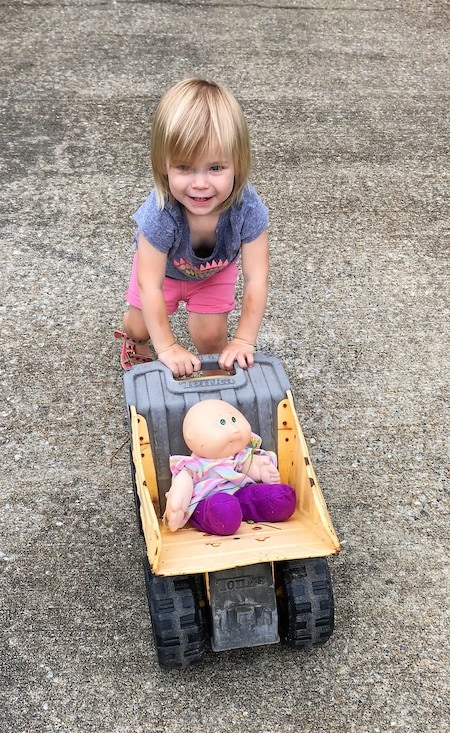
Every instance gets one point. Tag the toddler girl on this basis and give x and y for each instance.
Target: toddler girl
(201, 216)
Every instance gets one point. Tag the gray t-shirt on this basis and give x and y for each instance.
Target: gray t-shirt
(168, 231)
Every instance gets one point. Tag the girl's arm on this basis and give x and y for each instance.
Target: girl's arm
(151, 270)
(255, 269)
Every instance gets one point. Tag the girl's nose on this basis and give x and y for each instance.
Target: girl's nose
(200, 180)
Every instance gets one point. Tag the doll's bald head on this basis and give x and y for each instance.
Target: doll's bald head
(215, 429)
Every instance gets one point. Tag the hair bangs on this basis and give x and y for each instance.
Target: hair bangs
(199, 135)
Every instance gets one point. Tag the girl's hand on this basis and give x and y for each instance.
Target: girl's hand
(237, 350)
(180, 361)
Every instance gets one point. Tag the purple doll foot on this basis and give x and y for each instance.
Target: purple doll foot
(266, 502)
(218, 514)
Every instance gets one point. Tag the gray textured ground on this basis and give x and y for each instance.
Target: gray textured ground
(348, 107)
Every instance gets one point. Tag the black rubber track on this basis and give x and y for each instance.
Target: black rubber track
(178, 613)
(305, 601)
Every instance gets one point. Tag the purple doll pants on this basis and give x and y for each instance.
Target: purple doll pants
(222, 513)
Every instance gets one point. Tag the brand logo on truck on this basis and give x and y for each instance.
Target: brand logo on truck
(225, 585)
(196, 384)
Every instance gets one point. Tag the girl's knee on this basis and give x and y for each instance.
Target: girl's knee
(134, 325)
(208, 332)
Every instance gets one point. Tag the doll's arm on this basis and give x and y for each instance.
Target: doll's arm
(261, 468)
(177, 499)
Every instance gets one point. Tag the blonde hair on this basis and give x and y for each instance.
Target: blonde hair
(192, 119)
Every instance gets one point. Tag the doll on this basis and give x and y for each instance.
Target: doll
(227, 478)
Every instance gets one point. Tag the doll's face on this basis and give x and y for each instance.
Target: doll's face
(215, 429)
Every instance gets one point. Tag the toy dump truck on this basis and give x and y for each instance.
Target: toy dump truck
(267, 583)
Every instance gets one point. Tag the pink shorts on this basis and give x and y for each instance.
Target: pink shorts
(215, 294)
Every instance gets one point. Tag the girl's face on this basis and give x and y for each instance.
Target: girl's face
(203, 186)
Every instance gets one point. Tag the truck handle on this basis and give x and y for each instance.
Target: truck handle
(205, 384)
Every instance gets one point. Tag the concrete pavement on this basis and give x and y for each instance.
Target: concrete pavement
(348, 109)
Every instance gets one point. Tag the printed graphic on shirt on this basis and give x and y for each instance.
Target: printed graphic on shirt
(200, 273)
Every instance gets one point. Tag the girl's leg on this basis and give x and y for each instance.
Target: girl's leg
(135, 329)
(208, 304)
(133, 321)
(133, 324)
(208, 331)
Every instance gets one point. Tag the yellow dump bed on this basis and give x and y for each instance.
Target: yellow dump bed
(308, 533)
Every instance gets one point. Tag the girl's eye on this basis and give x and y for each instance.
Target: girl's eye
(183, 167)
(216, 168)
(223, 421)
(233, 419)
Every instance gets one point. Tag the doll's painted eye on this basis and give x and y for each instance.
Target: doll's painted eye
(223, 421)
(233, 419)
